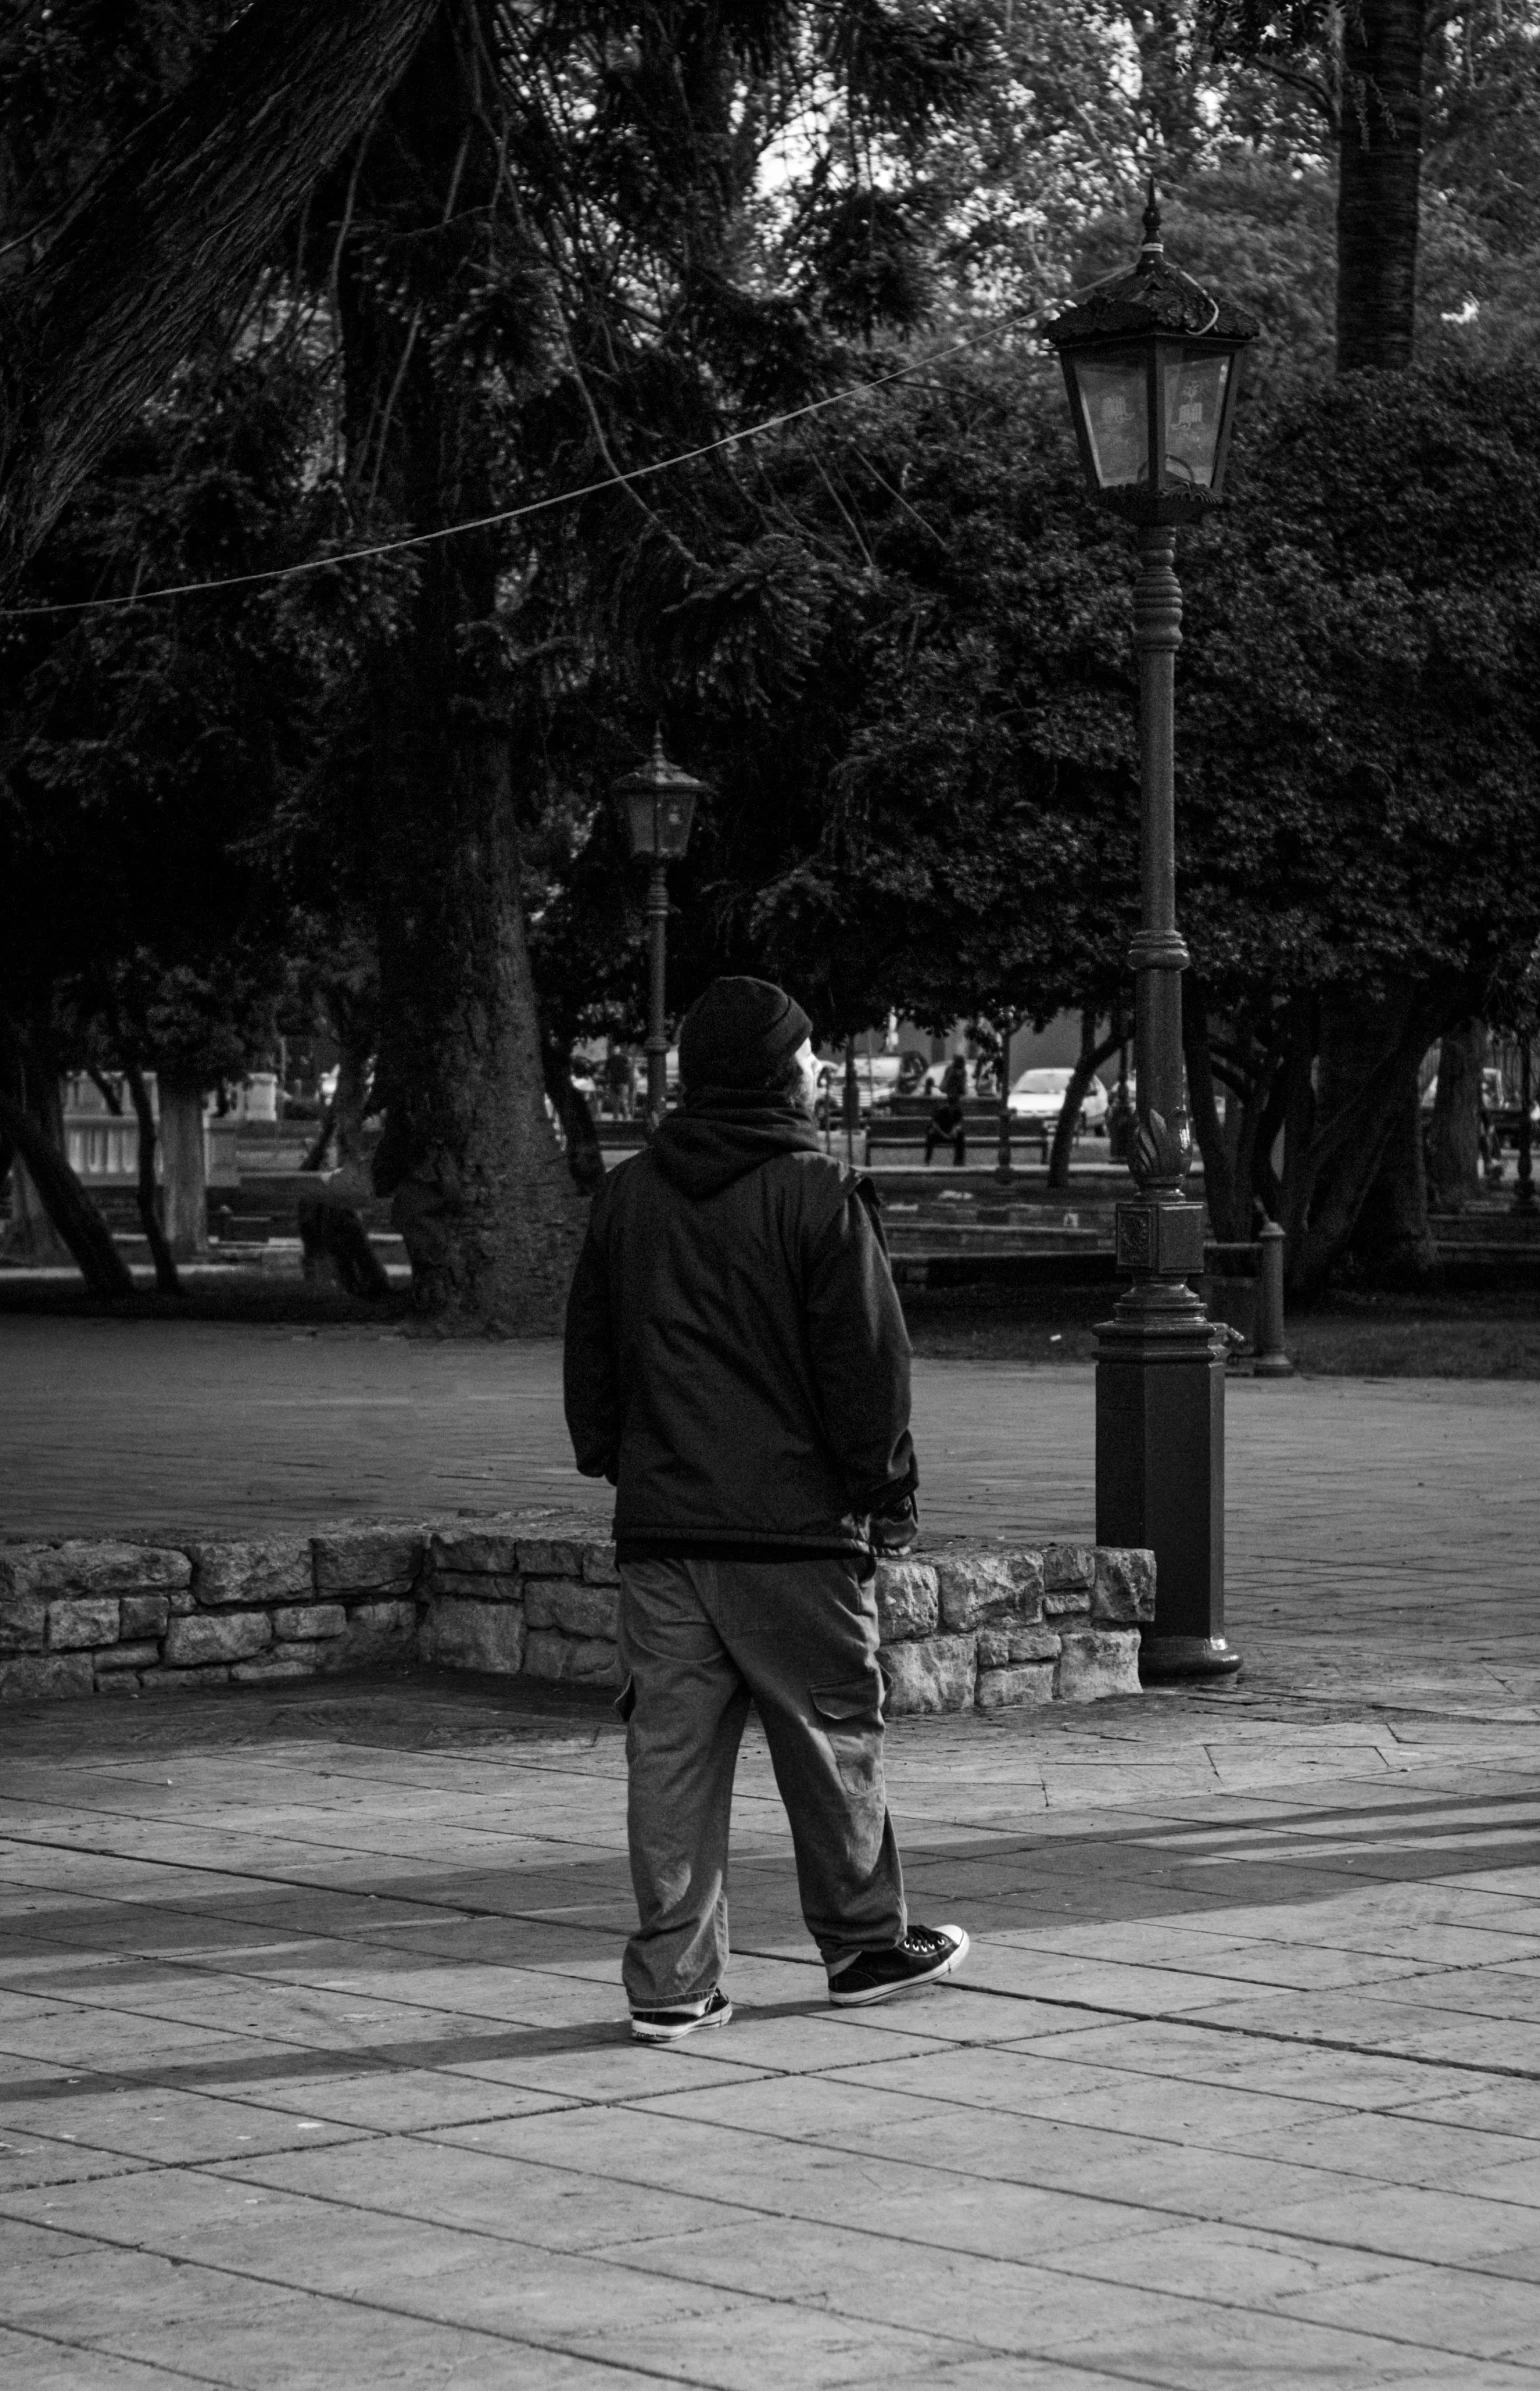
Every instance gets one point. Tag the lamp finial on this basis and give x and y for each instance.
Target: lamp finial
(1153, 245)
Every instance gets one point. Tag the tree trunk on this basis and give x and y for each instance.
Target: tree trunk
(1379, 172)
(1454, 1134)
(482, 1193)
(1093, 1053)
(175, 232)
(33, 1237)
(1229, 1203)
(585, 1156)
(184, 1170)
(483, 1196)
(147, 1192)
(1337, 1137)
(1391, 1236)
(341, 1130)
(70, 1209)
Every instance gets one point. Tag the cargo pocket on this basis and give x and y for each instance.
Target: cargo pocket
(851, 1718)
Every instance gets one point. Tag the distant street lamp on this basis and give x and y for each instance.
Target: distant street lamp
(657, 801)
(1152, 366)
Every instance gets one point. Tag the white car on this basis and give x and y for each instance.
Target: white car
(876, 1084)
(1039, 1096)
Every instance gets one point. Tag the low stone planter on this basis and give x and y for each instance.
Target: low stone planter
(529, 1594)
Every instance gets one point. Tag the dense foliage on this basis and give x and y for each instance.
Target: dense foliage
(584, 239)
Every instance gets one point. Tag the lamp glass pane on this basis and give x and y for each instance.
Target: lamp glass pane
(640, 813)
(674, 815)
(1112, 404)
(1194, 410)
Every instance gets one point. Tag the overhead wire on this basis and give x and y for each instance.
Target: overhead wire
(619, 479)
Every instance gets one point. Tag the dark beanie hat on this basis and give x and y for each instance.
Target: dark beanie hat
(737, 1034)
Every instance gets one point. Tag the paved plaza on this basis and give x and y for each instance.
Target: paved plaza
(313, 2067)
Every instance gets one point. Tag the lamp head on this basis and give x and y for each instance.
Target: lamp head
(657, 801)
(1152, 366)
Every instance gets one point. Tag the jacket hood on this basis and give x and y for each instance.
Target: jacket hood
(723, 1133)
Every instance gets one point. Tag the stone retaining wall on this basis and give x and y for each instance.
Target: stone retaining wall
(529, 1594)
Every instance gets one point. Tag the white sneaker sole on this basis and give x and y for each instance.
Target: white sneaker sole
(886, 1992)
(641, 2032)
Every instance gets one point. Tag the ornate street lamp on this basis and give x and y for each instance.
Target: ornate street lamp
(1152, 365)
(657, 801)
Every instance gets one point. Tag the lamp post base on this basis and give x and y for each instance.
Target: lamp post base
(1160, 1394)
(1169, 1660)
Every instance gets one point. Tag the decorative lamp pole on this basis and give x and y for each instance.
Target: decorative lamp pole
(1152, 366)
(658, 803)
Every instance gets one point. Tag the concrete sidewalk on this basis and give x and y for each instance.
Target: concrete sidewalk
(313, 2070)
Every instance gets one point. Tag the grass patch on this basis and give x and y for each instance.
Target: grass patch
(256, 1297)
(1486, 1333)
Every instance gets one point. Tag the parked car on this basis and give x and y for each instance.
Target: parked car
(1039, 1096)
(877, 1078)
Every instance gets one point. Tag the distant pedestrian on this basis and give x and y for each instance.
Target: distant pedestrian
(619, 1083)
(947, 1121)
(954, 1080)
(737, 1366)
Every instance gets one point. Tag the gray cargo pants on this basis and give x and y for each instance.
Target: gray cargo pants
(699, 1641)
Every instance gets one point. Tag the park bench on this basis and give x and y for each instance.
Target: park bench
(907, 1121)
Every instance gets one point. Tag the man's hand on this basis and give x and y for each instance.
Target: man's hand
(895, 1531)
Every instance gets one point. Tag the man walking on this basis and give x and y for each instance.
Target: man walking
(737, 1366)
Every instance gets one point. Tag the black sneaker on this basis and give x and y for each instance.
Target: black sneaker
(926, 1954)
(672, 2025)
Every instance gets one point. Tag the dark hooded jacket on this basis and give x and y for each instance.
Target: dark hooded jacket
(736, 1359)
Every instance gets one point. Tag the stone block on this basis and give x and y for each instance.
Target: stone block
(978, 1589)
(376, 1631)
(118, 1681)
(182, 1681)
(473, 1635)
(199, 1642)
(1069, 1572)
(126, 1656)
(908, 1600)
(474, 1552)
(936, 1674)
(547, 1556)
(74, 1624)
(573, 1660)
(1068, 1568)
(1095, 1662)
(145, 1614)
(1016, 1689)
(567, 1603)
(600, 1566)
(1010, 1646)
(23, 1623)
(311, 1655)
(40, 1678)
(474, 1585)
(90, 1566)
(367, 1561)
(1124, 1591)
(302, 1621)
(265, 1569)
(271, 1672)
